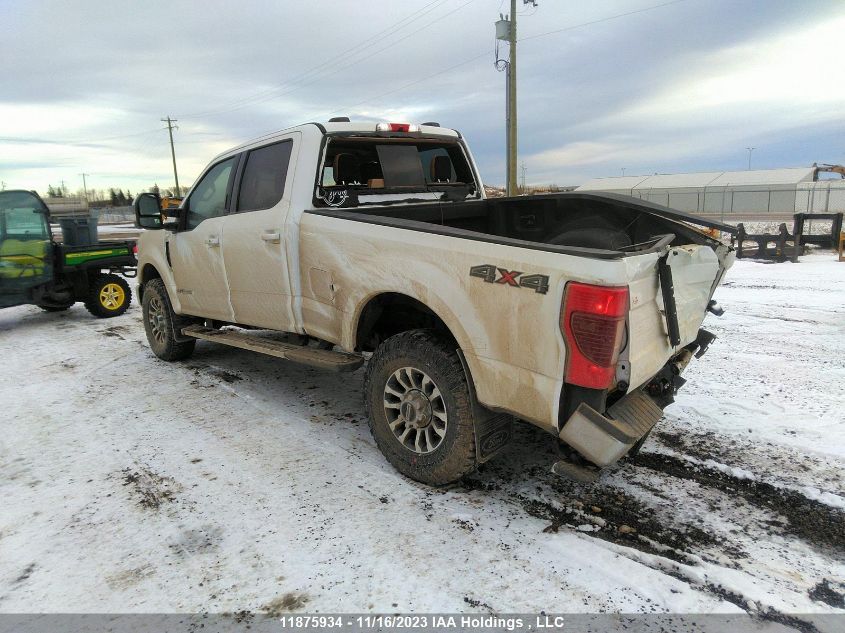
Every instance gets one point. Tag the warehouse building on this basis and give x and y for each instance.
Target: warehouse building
(742, 196)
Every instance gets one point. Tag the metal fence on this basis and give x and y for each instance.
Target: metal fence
(116, 215)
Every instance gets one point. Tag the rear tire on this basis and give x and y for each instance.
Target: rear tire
(418, 402)
(161, 323)
(108, 296)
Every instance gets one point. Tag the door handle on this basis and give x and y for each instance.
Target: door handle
(274, 238)
(212, 241)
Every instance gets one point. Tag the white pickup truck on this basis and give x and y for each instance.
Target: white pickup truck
(324, 243)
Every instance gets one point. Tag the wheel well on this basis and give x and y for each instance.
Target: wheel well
(149, 272)
(391, 313)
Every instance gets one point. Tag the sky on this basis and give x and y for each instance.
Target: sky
(605, 87)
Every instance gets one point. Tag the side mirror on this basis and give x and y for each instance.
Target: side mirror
(147, 211)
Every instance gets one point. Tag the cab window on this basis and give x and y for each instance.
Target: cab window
(367, 165)
(209, 197)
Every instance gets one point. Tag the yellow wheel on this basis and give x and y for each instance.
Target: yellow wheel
(112, 296)
(108, 296)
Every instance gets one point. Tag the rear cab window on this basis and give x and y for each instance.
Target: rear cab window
(262, 184)
(361, 170)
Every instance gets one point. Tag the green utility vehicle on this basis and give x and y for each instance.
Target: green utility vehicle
(34, 269)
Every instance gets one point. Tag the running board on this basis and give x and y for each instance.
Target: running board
(319, 358)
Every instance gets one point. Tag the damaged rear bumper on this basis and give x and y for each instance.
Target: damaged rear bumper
(604, 438)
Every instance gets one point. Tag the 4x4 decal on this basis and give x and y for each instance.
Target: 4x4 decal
(489, 272)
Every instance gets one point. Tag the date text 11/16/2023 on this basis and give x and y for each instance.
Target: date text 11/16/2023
(444, 621)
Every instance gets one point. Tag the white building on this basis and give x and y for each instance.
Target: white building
(764, 194)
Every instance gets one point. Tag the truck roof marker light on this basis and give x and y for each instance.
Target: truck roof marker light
(397, 127)
(592, 321)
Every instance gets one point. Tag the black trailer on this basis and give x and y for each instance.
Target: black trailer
(34, 269)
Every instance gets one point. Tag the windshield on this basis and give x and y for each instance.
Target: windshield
(371, 170)
(22, 216)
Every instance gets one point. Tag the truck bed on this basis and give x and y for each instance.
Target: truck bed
(602, 226)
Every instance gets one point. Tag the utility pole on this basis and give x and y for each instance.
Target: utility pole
(750, 149)
(506, 30)
(170, 127)
(84, 185)
(512, 116)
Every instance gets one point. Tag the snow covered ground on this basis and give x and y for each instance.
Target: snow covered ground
(235, 482)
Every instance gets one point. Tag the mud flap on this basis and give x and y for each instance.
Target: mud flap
(492, 433)
(604, 440)
(492, 430)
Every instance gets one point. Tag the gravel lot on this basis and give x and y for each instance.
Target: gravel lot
(237, 482)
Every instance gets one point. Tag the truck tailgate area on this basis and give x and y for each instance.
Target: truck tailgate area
(695, 270)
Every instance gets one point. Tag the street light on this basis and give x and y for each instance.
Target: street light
(750, 149)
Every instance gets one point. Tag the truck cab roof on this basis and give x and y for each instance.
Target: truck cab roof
(344, 128)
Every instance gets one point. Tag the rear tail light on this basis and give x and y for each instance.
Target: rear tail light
(135, 248)
(592, 321)
(397, 127)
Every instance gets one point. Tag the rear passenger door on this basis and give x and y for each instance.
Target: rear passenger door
(255, 243)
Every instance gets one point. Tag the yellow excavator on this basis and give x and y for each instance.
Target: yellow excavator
(834, 169)
(170, 202)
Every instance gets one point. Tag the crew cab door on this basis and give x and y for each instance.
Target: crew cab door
(255, 244)
(196, 248)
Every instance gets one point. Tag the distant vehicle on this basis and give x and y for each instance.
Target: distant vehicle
(36, 270)
(576, 311)
(168, 203)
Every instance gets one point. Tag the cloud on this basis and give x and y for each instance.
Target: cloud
(784, 72)
(775, 88)
(685, 86)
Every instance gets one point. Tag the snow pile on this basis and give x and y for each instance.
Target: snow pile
(234, 481)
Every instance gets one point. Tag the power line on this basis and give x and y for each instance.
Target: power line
(346, 108)
(408, 85)
(321, 76)
(76, 142)
(600, 20)
(373, 98)
(357, 48)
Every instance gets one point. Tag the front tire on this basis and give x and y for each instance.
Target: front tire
(108, 296)
(419, 408)
(160, 323)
